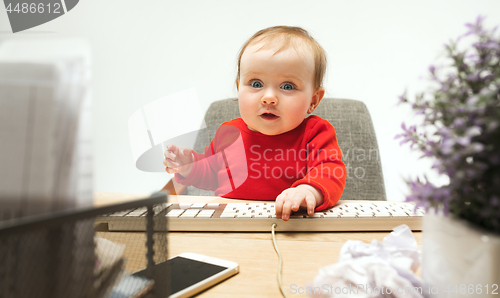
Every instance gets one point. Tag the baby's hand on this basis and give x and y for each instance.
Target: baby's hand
(291, 199)
(178, 160)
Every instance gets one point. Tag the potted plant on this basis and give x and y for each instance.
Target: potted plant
(460, 132)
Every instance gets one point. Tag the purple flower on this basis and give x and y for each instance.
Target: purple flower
(473, 131)
(462, 108)
(459, 122)
(477, 147)
(474, 77)
(447, 146)
(432, 69)
(463, 141)
(472, 101)
(489, 45)
(492, 126)
(402, 98)
(437, 164)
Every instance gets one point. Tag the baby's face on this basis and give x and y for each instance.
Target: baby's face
(276, 91)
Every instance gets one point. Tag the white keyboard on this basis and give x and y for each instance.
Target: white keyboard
(257, 217)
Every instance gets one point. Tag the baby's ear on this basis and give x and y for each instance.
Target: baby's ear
(316, 99)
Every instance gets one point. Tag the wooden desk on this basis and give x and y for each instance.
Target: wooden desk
(303, 253)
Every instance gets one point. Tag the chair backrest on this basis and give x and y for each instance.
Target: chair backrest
(355, 135)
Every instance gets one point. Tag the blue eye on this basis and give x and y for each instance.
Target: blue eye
(256, 84)
(287, 87)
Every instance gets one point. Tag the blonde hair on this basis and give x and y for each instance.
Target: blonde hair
(284, 37)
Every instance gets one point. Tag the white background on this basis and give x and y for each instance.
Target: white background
(144, 50)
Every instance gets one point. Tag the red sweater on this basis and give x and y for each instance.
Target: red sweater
(245, 164)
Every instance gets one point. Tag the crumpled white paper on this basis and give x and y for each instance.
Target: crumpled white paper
(378, 269)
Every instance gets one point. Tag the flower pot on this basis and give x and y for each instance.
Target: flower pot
(459, 259)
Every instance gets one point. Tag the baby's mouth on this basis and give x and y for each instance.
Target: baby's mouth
(269, 116)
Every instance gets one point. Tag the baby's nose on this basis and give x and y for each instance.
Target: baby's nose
(269, 99)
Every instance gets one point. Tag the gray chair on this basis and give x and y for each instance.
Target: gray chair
(355, 135)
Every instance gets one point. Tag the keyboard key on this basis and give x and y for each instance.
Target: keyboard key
(263, 215)
(399, 214)
(383, 215)
(159, 208)
(175, 213)
(330, 215)
(198, 205)
(348, 215)
(317, 215)
(190, 213)
(244, 215)
(212, 205)
(365, 215)
(120, 213)
(205, 214)
(138, 211)
(185, 205)
(364, 211)
(227, 215)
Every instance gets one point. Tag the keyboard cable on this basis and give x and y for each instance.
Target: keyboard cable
(280, 261)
